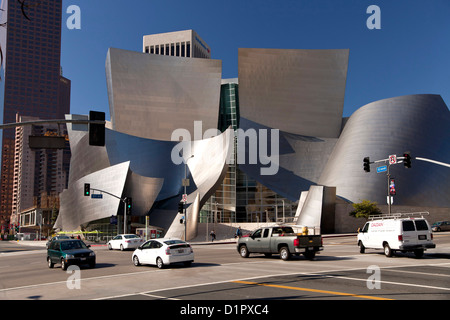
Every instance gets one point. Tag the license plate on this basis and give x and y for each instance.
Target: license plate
(422, 237)
(82, 259)
(310, 248)
(180, 251)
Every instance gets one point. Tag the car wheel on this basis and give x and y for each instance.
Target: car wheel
(50, 263)
(284, 253)
(63, 264)
(362, 249)
(244, 251)
(387, 250)
(159, 263)
(121, 247)
(136, 261)
(109, 246)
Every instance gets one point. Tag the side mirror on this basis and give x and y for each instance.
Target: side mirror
(88, 246)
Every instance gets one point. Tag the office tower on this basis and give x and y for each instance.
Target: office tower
(185, 43)
(39, 175)
(34, 85)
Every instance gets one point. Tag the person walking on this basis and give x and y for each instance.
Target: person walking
(213, 235)
(238, 233)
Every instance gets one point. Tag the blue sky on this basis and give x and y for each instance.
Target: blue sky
(410, 54)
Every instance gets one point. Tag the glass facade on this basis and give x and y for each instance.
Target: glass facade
(241, 198)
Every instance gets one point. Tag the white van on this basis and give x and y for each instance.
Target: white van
(397, 232)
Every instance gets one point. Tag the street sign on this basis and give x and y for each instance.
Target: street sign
(393, 159)
(96, 196)
(381, 169)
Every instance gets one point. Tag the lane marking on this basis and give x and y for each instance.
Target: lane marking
(312, 290)
(155, 296)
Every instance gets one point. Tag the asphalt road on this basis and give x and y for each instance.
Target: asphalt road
(340, 272)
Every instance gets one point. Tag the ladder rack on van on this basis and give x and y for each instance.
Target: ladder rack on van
(399, 215)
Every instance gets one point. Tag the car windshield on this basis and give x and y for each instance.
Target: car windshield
(131, 236)
(71, 245)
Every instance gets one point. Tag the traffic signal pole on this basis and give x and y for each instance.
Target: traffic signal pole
(126, 203)
(392, 159)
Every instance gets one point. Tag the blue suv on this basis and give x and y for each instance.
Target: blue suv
(70, 252)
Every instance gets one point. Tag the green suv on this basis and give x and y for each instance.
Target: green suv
(69, 252)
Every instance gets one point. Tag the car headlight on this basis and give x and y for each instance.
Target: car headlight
(92, 254)
(69, 256)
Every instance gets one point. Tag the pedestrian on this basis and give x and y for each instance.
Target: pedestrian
(238, 233)
(213, 235)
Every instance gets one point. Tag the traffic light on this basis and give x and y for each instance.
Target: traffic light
(96, 131)
(87, 189)
(128, 205)
(407, 160)
(180, 207)
(366, 164)
(17, 229)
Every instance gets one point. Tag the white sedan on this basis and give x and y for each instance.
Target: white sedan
(163, 252)
(125, 241)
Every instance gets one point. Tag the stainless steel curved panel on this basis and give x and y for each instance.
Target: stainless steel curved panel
(296, 91)
(416, 123)
(152, 95)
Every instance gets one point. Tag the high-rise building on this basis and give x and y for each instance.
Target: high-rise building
(34, 85)
(39, 174)
(186, 43)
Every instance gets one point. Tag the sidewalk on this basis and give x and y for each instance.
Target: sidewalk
(195, 241)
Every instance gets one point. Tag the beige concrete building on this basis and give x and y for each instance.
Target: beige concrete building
(186, 43)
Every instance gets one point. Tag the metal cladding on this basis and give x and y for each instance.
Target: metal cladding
(151, 95)
(300, 93)
(77, 209)
(143, 169)
(416, 123)
(296, 91)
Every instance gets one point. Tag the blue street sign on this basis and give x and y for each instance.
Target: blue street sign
(96, 196)
(381, 169)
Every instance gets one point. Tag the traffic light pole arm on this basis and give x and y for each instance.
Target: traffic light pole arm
(434, 161)
(38, 122)
(112, 195)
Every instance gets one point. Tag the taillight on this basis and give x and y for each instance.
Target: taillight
(168, 251)
(400, 238)
(432, 236)
(296, 242)
(192, 251)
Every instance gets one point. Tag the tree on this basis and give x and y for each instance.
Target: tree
(364, 209)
